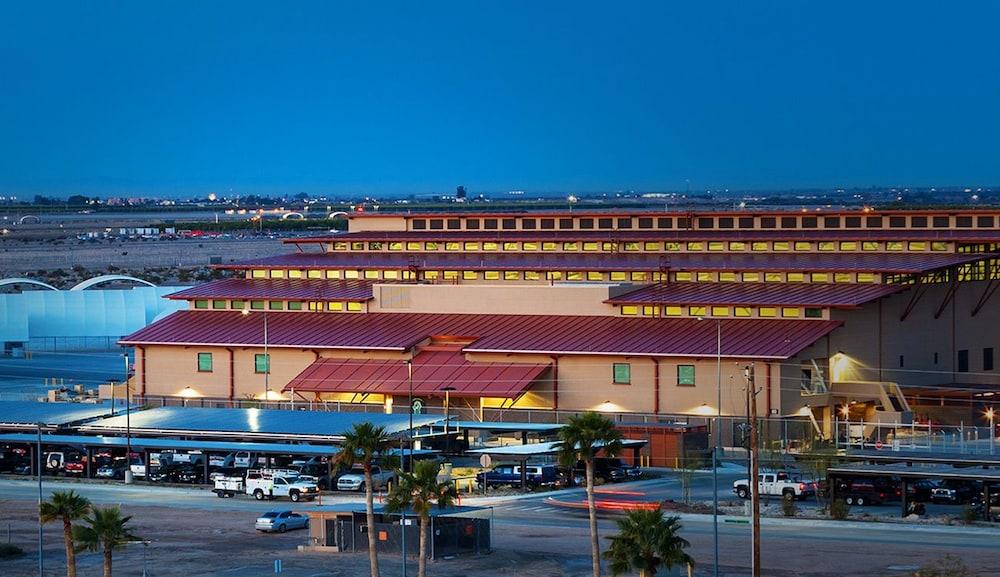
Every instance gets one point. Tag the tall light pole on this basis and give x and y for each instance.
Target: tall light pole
(41, 467)
(717, 445)
(409, 464)
(447, 416)
(128, 425)
(267, 358)
(990, 415)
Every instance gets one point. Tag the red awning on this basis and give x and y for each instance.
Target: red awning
(432, 372)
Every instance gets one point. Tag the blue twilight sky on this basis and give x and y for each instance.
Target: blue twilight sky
(414, 97)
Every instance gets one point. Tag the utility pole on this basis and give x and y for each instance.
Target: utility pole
(748, 372)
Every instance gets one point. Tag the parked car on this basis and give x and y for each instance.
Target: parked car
(779, 484)
(863, 491)
(354, 480)
(281, 521)
(113, 470)
(176, 474)
(606, 470)
(920, 490)
(954, 491)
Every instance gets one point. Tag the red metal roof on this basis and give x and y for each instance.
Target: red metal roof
(683, 235)
(816, 262)
(757, 294)
(637, 211)
(432, 370)
(548, 334)
(292, 289)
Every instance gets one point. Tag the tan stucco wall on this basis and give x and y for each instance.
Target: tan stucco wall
(362, 223)
(493, 298)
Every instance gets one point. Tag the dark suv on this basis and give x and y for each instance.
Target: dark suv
(606, 470)
(508, 474)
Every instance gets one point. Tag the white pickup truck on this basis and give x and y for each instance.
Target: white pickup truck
(780, 484)
(354, 480)
(263, 484)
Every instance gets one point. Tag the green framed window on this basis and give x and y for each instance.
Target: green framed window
(257, 305)
(218, 304)
(685, 375)
(294, 305)
(201, 304)
(621, 373)
(813, 313)
(275, 305)
(237, 304)
(262, 363)
(204, 362)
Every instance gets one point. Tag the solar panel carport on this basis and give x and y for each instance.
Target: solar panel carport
(524, 452)
(26, 415)
(252, 424)
(907, 473)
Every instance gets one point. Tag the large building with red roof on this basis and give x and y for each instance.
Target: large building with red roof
(838, 312)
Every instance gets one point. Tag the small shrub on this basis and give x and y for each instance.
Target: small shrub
(839, 509)
(9, 551)
(968, 515)
(789, 508)
(947, 566)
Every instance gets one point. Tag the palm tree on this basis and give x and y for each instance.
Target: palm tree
(580, 439)
(421, 490)
(362, 444)
(646, 541)
(106, 531)
(67, 506)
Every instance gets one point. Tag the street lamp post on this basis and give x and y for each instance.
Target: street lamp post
(128, 426)
(989, 415)
(41, 467)
(447, 416)
(717, 445)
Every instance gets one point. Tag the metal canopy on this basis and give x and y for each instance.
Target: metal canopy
(923, 457)
(507, 427)
(918, 471)
(27, 414)
(253, 423)
(538, 449)
(175, 444)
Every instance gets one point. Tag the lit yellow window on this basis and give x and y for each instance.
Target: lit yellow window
(649, 245)
(869, 245)
(277, 273)
(340, 246)
(412, 245)
(430, 246)
(431, 274)
(917, 245)
(574, 275)
(351, 274)
(609, 246)
(491, 246)
(371, 274)
(335, 306)
(697, 311)
(259, 274)
(532, 275)
(450, 275)
(333, 274)
(549, 246)
(696, 246)
(672, 311)
(767, 312)
(758, 246)
(294, 274)
(630, 246)
(313, 273)
(848, 245)
(751, 277)
(727, 277)
(737, 245)
(802, 245)
(571, 246)
(639, 276)
(374, 246)
(827, 246)
(843, 277)
(820, 277)
(720, 311)
(630, 310)
(894, 246)
(471, 246)
(390, 274)
(866, 277)
(511, 275)
(939, 246)
(660, 277)
(510, 247)
(315, 306)
(672, 246)
(529, 246)
(781, 245)
(354, 306)
(796, 277)
(491, 275)
(741, 311)
(595, 276)
(683, 277)
(774, 277)
(470, 275)
(453, 246)
(650, 311)
(408, 275)
(591, 246)
(619, 276)
(716, 246)
(357, 246)
(554, 275)
(704, 277)
(790, 312)
(395, 246)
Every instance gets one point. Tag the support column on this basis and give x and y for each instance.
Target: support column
(524, 474)
(986, 501)
(90, 459)
(524, 437)
(905, 485)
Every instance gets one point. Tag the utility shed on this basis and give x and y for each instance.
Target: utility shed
(453, 531)
(670, 444)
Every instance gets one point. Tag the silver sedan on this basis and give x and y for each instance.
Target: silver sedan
(281, 521)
